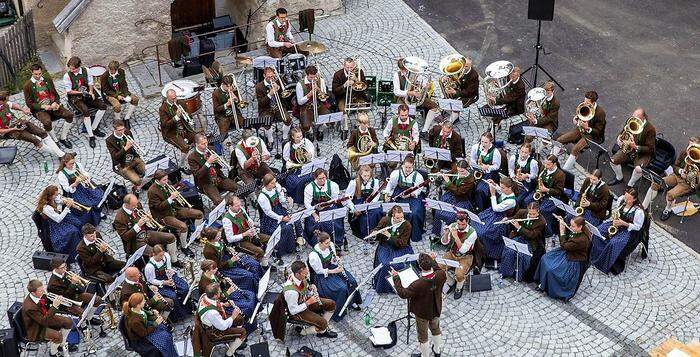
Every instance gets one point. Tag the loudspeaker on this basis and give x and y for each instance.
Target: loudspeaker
(42, 260)
(540, 10)
(8, 345)
(13, 310)
(480, 282)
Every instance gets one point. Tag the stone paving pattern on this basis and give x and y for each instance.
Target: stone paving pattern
(623, 315)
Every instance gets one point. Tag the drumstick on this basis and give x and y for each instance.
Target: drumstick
(177, 86)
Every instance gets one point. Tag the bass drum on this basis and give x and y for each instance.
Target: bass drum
(189, 92)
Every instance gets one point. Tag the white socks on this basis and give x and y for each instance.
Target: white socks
(233, 346)
(424, 349)
(50, 146)
(285, 131)
(52, 135)
(183, 239)
(429, 118)
(437, 343)
(327, 315)
(65, 129)
(650, 196)
(570, 162)
(636, 175)
(129, 112)
(618, 171)
(269, 133)
(98, 118)
(88, 126)
(309, 331)
(460, 285)
(172, 250)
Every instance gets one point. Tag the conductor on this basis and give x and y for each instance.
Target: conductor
(425, 302)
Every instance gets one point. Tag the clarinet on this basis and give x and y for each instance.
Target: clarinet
(335, 259)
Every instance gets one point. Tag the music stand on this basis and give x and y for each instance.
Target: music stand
(312, 166)
(217, 212)
(539, 134)
(365, 207)
(87, 333)
(197, 232)
(362, 283)
(386, 207)
(600, 149)
(489, 112)
(538, 47)
(372, 159)
(274, 239)
(437, 154)
(330, 118)
(450, 105)
(134, 257)
(108, 190)
(563, 206)
(332, 215)
(518, 248)
(409, 275)
(397, 155)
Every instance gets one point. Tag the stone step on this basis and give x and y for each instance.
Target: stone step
(145, 72)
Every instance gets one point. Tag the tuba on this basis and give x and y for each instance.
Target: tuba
(633, 126)
(497, 80)
(535, 100)
(452, 67)
(416, 66)
(692, 171)
(584, 111)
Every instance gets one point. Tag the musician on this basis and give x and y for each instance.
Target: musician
(135, 229)
(233, 266)
(43, 100)
(362, 141)
(318, 191)
(164, 205)
(407, 92)
(342, 85)
(159, 272)
(528, 227)
(12, 128)
(503, 205)
(146, 329)
(513, 96)
(252, 156)
(305, 96)
(116, 90)
(224, 102)
(444, 137)
(425, 302)
(300, 300)
(679, 182)
(403, 179)
(550, 183)
(330, 276)
(64, 225)
(232, 295)
(267, 104)
(70, 286)
(239, 230)
(134, 284)
(466, 88)
(394, 241)
(609, 254)
(97, 260)
(270, 200)
(41, 321)
(365, 188)
(213, 324)
(589, 127)
(464, 247)
(297, 152)
(206, 170)
(125, 158)
(561, 270)
(638, 151)
(401, 129)
(523, 167)
(79, 87)
(75, 183)
(550, 110)
(278, 35)
(484, 157)
(597, 195)
(174, 126)
(459, 191)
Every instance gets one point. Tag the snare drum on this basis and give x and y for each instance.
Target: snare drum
(259, 64)
(186, 91)
(96, 72)
(295, 62)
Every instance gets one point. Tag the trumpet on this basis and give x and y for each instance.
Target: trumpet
(77, 279)
(219, 160)
(134, 145)
(179, 198)
(65, 301)
(84, 178)
(100, 241)
(74, 204)
(614, 215)
(150, 222)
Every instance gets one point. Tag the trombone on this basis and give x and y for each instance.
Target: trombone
(179, 198)
(135, 145)
(150, 222)
(65, 301)
(75, 277)
(100, 241)
(186, 118)
(219, 160)
(286, 93)
(74, 204)
(317, 94)
(84, 178)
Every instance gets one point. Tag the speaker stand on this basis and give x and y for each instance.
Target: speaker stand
(535, 67)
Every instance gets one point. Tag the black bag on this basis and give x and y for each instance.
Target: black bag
(515, 134)
(115, 199)
(306, 352)
(338, 173)
(8, 344)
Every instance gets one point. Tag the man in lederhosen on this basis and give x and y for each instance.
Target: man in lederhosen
(45, 103)
(81, 93)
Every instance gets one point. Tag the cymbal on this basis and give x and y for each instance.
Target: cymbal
(244, 60)
(312, 47)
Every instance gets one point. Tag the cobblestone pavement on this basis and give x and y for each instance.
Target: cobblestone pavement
(623, 315)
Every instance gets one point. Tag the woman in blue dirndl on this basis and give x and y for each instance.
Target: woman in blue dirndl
(244, 299)
(69, 175)
(597, 198)
(459, 191)
(145, 330)
(360, 189)
(332, 280)
(237, 268)
(530, 232)
(609, 255)
(550, 183)
(320, 190)
(64, 226)
(392, 244)
(561, 270)
(402, 179)
(159, 272)
(503, 205)
(523, 168)
(297, 152)
(271, 200)
(485, 158)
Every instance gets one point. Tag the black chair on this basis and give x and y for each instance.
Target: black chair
(23, 344)
(122, 332)
(99, 285)
(664, 156)
(44, 232)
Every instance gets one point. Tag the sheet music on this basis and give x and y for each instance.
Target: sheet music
(108, 190)
(473, 217)
(337, 213)
(137, 255)
(329, 118)
(517, 246)
(448, 262)
(274, 239)
(217, 212)
(386, 207)
(454, 105)
(151, 168)
(406, 276)
(537, 132)
(180, 347)
(594, 230)
(311, 166)
(380, 336)
(197, 232)
(561, 205)
(411, 257)
(437, 154)
(397, 156)
(372, 159)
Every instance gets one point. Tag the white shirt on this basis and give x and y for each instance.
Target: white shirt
(315, 259)
(68, 85)
(350, 190)
(212, 318)
(270, 34)
(394, 181)
(136, 226)
(240, 155)
(390, 126)
(638, 220)
(398, 91)
(60, 276)
(309, 192)
(505, 204)
(301, 97)
(495, 163)
(468, 242)
(150, 271)
(306, 143)
(292, 298)
(264, 202)
(34, 298)
(63, 181)
(50, 212)
(228, 228)
(534, 169)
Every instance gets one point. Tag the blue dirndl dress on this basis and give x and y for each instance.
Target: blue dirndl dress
(559, 276)
(365, 223)
(86, 196)
(507, 266)
(287, 243)
(178, 293)
(604, 253)
(335, 228)
(162, 339)
(490, 234)
(246, 301)
(588, 216)
(240, 276)
(65, 235)
(417, 215)
(334, 286)
(443, 218)
(384, 254)
(295, 185)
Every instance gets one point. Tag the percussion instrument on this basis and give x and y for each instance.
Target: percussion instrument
(259, 64)
(312, 47)
(187, 91)
(294, 66)
(96, 72)
(535, 99)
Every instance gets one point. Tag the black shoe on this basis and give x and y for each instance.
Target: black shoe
(54, 355)
(298, 329)
(433, 351)
(319, 135)
(72, 348)
(328, 334)
(272, 268)
(65, 143)
(614, 182)
(242, 346)
(95, 321)
(423, 135)
(451, 289)
(92, 142)
(458, 293)
(178, 265)
(188, 252)
(665, 215)
(99, 133)
(186, 171)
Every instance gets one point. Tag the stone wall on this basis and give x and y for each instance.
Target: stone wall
(43, 17)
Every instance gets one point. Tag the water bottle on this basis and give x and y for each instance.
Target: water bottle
(500, 281)
(46, 167)
(367, 318)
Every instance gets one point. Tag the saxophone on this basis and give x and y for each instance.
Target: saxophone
(614, 215)
(584, 200)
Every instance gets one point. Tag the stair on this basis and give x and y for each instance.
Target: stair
(145, 73)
